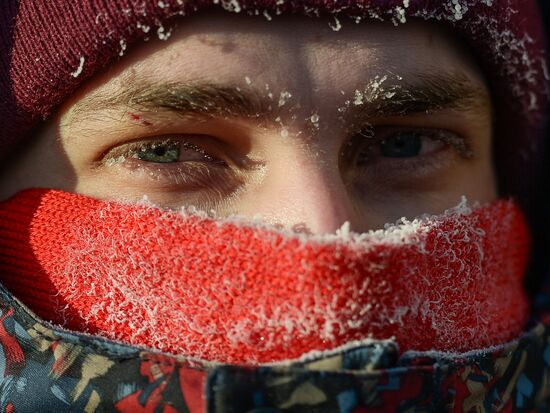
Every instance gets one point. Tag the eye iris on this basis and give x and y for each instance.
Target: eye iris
(161, 153)
(401, 146)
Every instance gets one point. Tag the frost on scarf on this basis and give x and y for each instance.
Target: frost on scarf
(235, 292)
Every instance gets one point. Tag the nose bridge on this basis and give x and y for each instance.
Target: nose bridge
(310, 193)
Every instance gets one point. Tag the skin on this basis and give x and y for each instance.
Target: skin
(312, 155)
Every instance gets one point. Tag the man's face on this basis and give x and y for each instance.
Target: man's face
(305, 125)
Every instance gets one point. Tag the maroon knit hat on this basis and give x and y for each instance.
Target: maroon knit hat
(48, 48)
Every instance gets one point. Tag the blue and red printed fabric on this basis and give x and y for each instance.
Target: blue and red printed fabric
(45, 369)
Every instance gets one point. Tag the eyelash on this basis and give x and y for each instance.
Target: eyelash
(208, 169)
(132, 149)
(373, 137)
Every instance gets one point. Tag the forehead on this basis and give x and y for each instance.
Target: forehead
(291, 52)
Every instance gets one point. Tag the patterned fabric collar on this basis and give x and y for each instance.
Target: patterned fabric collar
(49, 370)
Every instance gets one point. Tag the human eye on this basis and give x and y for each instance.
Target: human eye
(405, 152)
(407, 144)
(171, 151)
(159, 152)
(178, 163)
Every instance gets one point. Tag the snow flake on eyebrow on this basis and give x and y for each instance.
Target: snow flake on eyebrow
(372, 90)
(284, 98)
(359, 98)
(378, 81)
(80, 68)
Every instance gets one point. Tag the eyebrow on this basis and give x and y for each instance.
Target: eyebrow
(427, 93)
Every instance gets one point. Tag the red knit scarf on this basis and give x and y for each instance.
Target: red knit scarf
(238, 293)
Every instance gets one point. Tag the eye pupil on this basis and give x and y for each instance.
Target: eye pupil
(401, 146)
(160, 153)
(160, 150)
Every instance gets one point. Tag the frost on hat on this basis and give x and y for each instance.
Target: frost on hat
(48, 48)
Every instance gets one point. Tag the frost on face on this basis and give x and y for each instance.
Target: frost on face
(283, 131)
(379, 89)
(510, 49)
(336, 26)
(516, 63)
(315, 119)
(284, 98)
(283, 109)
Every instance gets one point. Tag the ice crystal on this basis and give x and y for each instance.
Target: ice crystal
(336, 26)
(314, 119)
(145, 28)
(284, 98)
(163, 34)
(123, 47)
(80, 68)
(231, 5)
